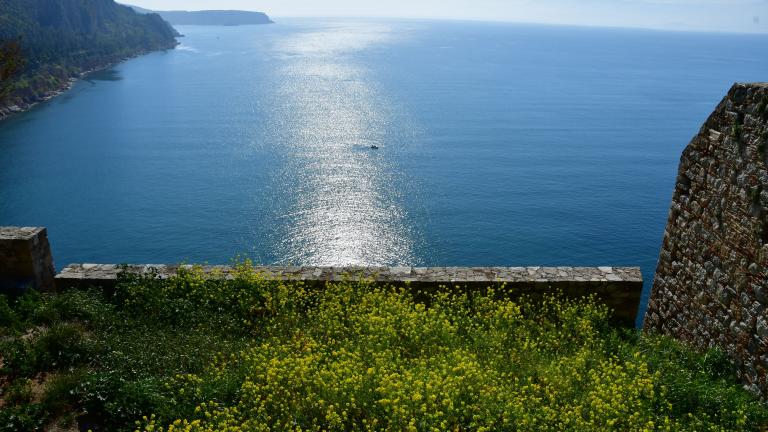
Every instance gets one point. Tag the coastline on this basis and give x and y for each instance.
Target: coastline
(10, 110)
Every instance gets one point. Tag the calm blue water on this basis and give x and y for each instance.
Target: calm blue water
(498, 145)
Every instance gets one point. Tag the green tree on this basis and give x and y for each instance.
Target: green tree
(11, 63)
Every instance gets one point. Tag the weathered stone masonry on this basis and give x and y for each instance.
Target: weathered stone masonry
(617, 287)
(712, 277)
(25, 259)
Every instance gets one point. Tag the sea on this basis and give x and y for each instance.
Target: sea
(374, 142)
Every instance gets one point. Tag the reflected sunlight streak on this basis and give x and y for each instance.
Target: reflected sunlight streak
(349, 212)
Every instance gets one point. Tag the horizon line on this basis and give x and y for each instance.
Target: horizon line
(495, 21)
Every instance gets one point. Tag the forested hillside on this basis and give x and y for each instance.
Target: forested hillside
(60, 39)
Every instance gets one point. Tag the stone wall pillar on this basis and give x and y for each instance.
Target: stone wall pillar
(25, 260)
(711, 282)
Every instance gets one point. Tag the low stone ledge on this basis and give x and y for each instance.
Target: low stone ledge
(618, 287)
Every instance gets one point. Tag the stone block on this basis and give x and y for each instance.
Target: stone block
(25, 259)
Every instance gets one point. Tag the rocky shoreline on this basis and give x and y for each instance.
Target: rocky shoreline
(9, 110)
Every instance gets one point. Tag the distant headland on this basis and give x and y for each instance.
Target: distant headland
(210, 17)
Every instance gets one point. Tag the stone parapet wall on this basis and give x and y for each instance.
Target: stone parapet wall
(620, 288)
(712, 278)
(25, 259)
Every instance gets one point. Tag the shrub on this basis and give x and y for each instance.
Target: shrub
(8, 318)
(371, 358)
(19, 358)
(205, 354)
(22, 418)
(60, 394)
(62, 346)
(18, 392)
(79, 306)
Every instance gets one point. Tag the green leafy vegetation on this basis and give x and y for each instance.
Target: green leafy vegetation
(202, 353)
(60, 38)
(11, 63)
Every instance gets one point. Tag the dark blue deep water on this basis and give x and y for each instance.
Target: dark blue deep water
(499, 144)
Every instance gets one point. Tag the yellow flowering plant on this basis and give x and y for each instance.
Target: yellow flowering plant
(201, 352)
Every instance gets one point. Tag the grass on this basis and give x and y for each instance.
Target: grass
(250, 354)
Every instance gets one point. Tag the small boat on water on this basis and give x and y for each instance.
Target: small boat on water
(374, 147)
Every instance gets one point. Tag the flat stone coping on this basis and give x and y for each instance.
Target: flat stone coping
(620, 288)
(19, 233)
(452, 275)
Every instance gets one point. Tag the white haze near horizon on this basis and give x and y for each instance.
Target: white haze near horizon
(749, 16)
